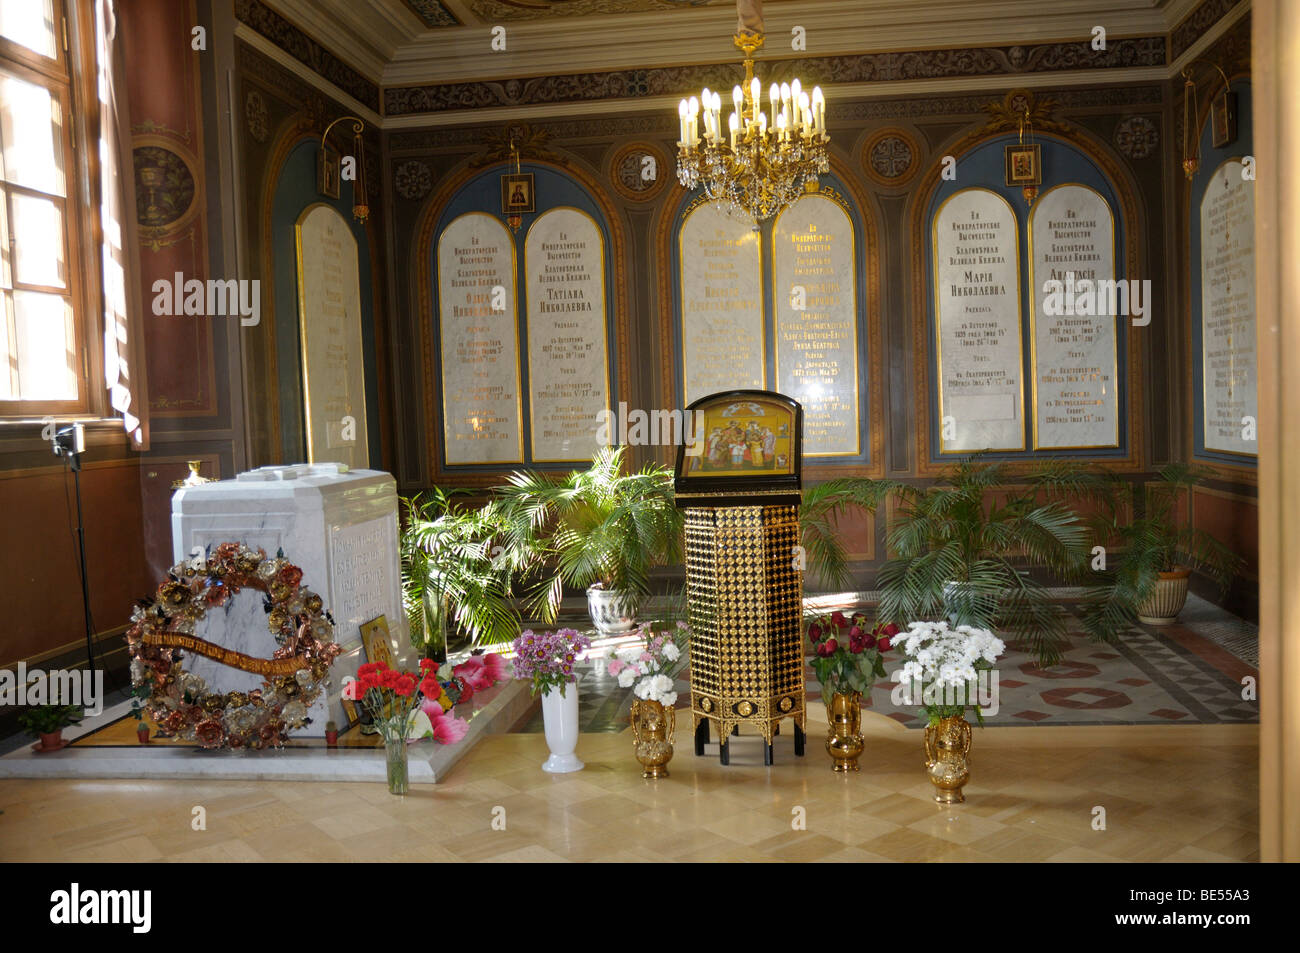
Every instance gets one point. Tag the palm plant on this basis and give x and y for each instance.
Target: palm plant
(591, 526)
(455, 573)
(955, 545)
(1149, 545)
(820, 534)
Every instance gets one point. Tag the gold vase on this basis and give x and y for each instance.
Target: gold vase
(845, 742)
(652, 730)
(947, 758)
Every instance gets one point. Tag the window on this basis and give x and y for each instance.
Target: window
(44, 316)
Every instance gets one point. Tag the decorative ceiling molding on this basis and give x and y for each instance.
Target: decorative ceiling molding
(406, 68)
(864, 68)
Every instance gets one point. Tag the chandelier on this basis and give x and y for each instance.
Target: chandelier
(764, 159)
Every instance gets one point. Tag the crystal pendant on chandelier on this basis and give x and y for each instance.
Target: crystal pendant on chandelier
(765, 158)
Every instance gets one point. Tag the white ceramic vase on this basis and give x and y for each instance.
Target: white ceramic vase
(560, 716)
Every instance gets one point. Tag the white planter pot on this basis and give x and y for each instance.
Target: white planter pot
(1167, 600)
(613, 611)
(560, 716)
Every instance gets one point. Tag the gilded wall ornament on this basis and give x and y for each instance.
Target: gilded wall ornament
(639, 171)
(413, 180)
(164, 186)
(890, 157)
(1137, 137)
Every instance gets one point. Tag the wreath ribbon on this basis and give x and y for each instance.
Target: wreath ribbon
(246, 663)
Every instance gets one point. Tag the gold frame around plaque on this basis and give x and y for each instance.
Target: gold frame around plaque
(938, 328)
(1245, 454)
(358, 345)
(528, 327)
(691, 209)
(841, 205)
(514, 312)
(1033, 321)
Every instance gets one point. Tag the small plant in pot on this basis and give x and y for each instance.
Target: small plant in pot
(1147, 580)
(598, 529)
(47, 723)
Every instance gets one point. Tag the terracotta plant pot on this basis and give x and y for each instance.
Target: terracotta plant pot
(332, 738)
(1167, 600)
(142, 733)
(52, 740)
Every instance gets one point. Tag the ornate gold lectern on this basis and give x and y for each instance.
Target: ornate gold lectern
(738, 482)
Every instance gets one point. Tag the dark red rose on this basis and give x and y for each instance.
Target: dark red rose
(814, 633)
(838, 620)
(892, 630)
(855, 632)
(868, 641)
(883, 644)
(828, 648)
(857, 645)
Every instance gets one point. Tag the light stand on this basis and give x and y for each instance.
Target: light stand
(70, 442)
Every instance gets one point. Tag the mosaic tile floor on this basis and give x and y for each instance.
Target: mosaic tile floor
(1189, 672)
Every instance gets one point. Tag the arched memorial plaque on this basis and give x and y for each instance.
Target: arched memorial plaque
(816, 303)
(568, 353)
(1072, 334)
(1228, 355)
(479, 334)
(977, 323)
(329, 323)
(722, 303)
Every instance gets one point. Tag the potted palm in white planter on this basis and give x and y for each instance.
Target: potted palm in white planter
(598, 529)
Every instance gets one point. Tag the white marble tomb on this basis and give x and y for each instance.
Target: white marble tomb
(338, 525)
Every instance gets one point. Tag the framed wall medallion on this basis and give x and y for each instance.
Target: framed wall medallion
(517, 196)
(1024, 164)
(327, 172)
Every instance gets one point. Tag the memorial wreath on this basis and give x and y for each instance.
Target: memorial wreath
(179, 702)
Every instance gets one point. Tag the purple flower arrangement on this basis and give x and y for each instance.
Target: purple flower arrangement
(547, 658)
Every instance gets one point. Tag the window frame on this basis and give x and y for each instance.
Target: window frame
(71, 79)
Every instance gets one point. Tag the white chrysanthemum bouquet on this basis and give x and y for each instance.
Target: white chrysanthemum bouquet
(943, 666)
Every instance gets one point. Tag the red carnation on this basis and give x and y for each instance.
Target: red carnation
(427, 663)
(370, 668)
(388, 678)
(404, 685)
(430, 688)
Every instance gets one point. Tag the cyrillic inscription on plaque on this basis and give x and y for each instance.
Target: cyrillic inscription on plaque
(329, 316)
(1076, 299)
(977, 323)
(478, 328)
(1228, 352)
(568, 372)
(815, 289)
(722, 303)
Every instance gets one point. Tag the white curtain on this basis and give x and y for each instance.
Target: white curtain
(124, 370)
